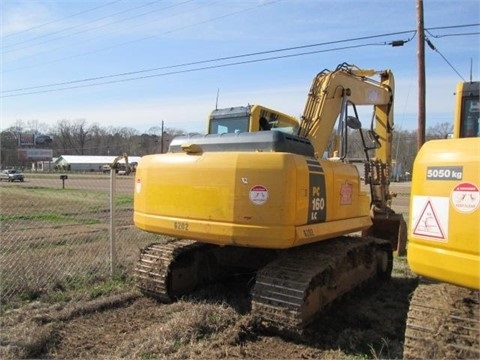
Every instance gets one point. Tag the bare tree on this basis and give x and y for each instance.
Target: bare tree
(98, 140)
(122, 140)
(64, 138)
(9, 146)
(71, 137)
(80, 135)
(439, 131)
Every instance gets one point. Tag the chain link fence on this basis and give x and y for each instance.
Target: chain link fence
(60, 234)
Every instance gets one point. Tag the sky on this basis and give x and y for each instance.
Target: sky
(138, 63)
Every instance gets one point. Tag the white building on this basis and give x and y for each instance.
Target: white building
(88, 163)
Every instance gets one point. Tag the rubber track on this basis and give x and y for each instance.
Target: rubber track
(153, 267)
(443, 323)
(283, 285)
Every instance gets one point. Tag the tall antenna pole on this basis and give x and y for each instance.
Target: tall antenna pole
(471, 69)
(421, 75)
(161, 139)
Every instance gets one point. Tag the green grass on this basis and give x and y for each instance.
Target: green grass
(47, 217)
(124, 200)
(109, 286)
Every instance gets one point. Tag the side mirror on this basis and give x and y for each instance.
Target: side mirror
(354, 123)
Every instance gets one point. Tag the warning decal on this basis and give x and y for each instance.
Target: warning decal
(258, 194)
(138, 186)
(430, 217)
(465, 197)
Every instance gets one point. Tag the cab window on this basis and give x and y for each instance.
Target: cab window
(470, 118)
(229, 125)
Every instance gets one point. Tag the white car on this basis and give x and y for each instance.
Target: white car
(12, 175)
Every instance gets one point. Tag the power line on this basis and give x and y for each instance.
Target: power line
(393, 43)
(451, 35)
(434, 48)
(431, 46)
(61, 19)
(451, 27)
(220, 59)
(194, 69)
(76, 26)
(153, 36)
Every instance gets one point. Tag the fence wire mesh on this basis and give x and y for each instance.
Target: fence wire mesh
(55, 234)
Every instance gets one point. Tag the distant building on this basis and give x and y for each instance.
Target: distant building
(44, 165)
(88, 163)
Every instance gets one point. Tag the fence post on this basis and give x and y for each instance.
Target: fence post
(113, 255)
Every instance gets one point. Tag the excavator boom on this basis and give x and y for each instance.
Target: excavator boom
(328, 98)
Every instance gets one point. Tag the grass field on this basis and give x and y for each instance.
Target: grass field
(53, 240)
(60, 300)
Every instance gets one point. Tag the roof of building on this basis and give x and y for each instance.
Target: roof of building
(93, 159)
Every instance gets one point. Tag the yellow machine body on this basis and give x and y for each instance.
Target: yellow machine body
(444, 240)
(444, 230)
(254, 199)
(240, 185)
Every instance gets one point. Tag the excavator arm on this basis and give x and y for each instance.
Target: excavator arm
(115, 163)
(328, 99)
(331, 96)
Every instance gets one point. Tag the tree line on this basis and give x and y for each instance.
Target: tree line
(77, 137)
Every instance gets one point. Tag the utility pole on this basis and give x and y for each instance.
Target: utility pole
(421, 75)
(161, 141)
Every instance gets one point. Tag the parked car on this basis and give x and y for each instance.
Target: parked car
(11, 175)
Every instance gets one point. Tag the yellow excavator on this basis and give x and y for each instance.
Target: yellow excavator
(444, 239)
(283, 206)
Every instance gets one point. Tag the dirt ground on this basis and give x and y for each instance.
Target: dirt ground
(213, 323)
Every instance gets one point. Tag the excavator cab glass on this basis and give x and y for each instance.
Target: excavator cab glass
(229, 125)
(240, 119)
(229, 120)
(470, 118)
(373, 137)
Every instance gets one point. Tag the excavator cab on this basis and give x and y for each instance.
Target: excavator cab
(250, 118)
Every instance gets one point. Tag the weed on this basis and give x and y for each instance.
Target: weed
(107, 287)
(149, 356)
